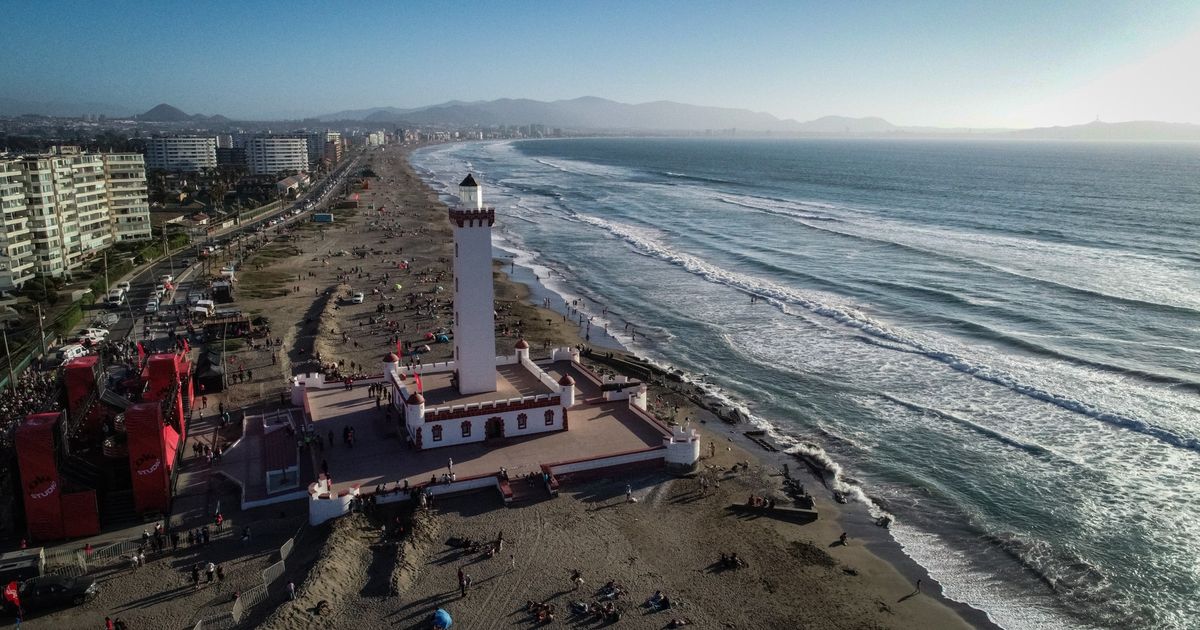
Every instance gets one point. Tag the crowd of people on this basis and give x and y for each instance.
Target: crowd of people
(33, 392)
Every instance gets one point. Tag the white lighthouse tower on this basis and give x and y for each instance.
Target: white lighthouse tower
(474, 301)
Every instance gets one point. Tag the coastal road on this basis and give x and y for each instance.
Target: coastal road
(143, 282)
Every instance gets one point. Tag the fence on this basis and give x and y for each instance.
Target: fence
(250, 598)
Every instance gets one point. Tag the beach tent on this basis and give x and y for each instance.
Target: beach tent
(441, 619)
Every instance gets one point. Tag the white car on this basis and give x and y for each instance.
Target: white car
(159, 292)
(95, 335)
(124, 285)
(358, 298)
(152, 306)
(166, 277)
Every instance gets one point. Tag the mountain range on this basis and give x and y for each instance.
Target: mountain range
(590, 113)
(593, 114)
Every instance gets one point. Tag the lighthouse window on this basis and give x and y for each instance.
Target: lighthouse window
(466, 428)
(550, 417)
(436, 432)
(522, 420)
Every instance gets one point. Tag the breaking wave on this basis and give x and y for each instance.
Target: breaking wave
(877, 333)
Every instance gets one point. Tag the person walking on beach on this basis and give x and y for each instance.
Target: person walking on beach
(628, 493)
(576, 579)
(450, 465)
(512, 562)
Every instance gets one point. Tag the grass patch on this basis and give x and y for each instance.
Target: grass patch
(273, 253)
(263, 284)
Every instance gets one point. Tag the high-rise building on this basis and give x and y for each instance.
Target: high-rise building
(61, 208)
(181, 153)
(270, 154)
(231, 157)
(125, 175)
(16, 239)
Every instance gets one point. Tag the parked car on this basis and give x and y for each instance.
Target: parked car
(152, 306)
(358, 298)
(166, 277)
(124, 285)
(48, 592)
(65, 353)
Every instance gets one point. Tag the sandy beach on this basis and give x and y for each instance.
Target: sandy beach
(670, 539)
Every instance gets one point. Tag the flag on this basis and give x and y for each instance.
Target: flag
(420, 387)
(12, 593)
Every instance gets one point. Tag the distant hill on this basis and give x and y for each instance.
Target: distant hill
(583, 113)
(361, 114)
(1136, 130)
(167, 113)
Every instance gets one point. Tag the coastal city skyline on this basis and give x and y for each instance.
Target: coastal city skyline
(933, 64)
(667, 315)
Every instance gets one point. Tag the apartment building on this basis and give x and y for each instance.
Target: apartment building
(125, 175)
(270, 154)
(16, 239)
(61, 209)
(188, 154)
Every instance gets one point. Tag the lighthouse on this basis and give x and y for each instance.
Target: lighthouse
(474, 300)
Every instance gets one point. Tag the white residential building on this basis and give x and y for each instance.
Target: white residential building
(16, 239)
(268, 155)
(61, 209)
(127, 201)
(181, 153)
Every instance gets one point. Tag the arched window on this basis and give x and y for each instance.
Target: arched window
(549, 417)
(436, 432)
(466, 428)
(522, 420)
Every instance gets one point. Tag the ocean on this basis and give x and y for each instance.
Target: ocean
(995, 342)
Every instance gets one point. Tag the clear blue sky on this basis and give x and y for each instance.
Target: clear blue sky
(958, 63)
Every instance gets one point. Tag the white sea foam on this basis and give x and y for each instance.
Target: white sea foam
(878, 333)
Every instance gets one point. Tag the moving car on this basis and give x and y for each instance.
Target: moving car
(152, 306)
(95, 335)
(55, 591)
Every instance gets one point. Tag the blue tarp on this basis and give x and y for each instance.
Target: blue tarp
(441, 619)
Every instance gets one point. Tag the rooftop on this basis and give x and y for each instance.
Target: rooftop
(512, 381)
(595, 430)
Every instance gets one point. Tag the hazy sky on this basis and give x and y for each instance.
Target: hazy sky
(961, 63)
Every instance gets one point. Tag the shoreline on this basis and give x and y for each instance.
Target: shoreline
(854, 517)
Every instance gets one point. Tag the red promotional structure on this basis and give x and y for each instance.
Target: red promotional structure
(38, 439)
(104, 446)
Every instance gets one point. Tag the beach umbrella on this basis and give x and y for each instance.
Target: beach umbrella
(441, 619)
